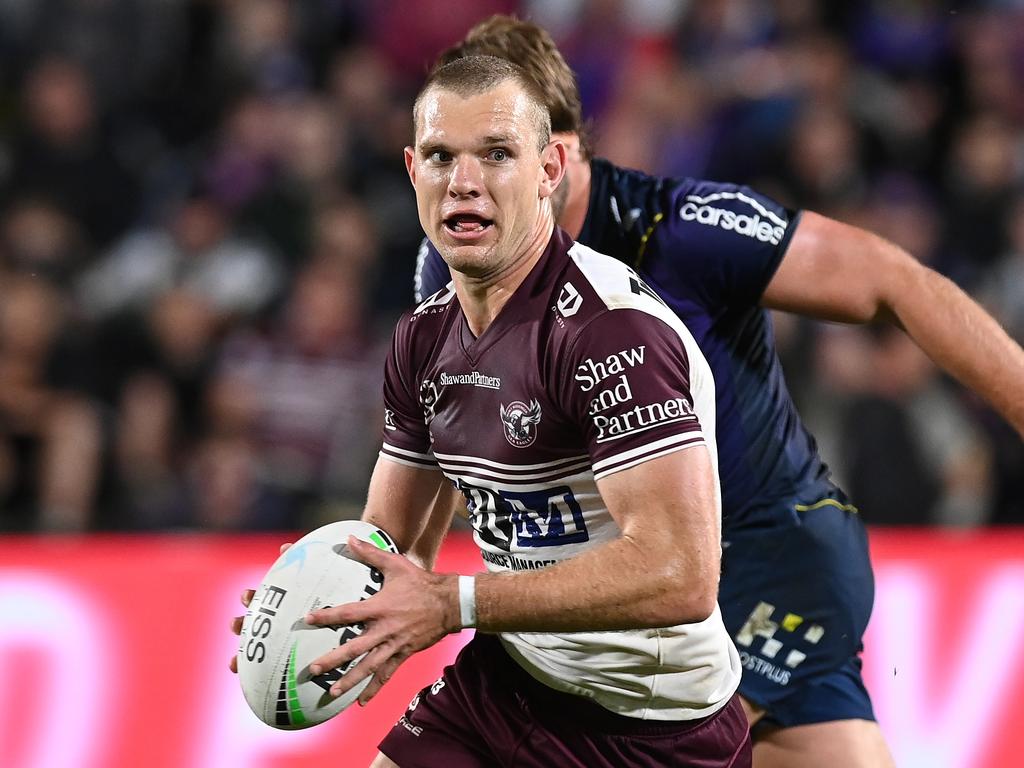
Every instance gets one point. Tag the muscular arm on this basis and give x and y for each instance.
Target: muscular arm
(400, 500)
(424, 550)
(834, 271)
(662, 570)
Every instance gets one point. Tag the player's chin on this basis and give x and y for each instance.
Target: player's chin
(471, 260)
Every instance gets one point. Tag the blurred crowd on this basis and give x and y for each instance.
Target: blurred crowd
(206, 231)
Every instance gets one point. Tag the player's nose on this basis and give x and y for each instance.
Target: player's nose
(465, 179)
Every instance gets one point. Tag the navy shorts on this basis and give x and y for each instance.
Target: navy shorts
(487, 711)
(796, 597)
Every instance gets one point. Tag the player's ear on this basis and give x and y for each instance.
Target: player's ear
(410, 164)
(553, 160)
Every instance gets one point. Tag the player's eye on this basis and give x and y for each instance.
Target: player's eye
(439, 156)
(498, 155)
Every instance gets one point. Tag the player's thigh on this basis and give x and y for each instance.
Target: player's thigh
(837, 744)
(383, 761)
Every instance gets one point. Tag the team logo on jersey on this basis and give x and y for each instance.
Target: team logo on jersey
(520, 421)
(429, 395)
(389, 420)
(569, 300)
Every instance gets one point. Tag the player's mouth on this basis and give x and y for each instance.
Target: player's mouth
(467, 226)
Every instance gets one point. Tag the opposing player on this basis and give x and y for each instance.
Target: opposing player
(577, 412)
(797, 587)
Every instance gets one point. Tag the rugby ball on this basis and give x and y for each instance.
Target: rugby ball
(277, 646)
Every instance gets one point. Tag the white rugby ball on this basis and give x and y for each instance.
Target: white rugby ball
(277, 646)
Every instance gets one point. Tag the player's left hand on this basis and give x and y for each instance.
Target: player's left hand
(413, 610)
(236, 621)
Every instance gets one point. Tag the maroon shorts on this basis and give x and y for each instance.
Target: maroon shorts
(487, 711)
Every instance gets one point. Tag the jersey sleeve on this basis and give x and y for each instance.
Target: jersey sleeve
(722, 242)
(406, 437)
(432, 273)
(628, 387)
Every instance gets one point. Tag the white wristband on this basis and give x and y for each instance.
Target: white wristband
(467, 601)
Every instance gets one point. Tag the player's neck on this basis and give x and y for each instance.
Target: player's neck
(577, 182)
(578, 200)
(483, 299)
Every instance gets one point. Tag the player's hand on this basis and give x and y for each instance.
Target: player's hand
(414, 609)
(236, 622)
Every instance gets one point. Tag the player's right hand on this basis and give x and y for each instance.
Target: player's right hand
(236, 622)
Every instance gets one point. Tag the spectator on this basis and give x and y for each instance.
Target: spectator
(311, 387)
(63, 153)
(198, 252)
(50, 433)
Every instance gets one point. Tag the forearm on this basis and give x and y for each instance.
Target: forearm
(395, 501)
(618, 585)
(662, 569)
(425, 549)
(963, 339)
(834, 271)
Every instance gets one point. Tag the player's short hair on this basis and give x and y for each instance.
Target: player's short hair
(473, 75)
(531, 47)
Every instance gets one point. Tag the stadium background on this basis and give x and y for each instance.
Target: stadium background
(206, 234)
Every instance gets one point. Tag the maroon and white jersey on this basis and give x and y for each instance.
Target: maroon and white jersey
(583, 373)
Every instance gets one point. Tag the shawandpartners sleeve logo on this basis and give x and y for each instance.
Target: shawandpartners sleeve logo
(620, 423)
(763, 225)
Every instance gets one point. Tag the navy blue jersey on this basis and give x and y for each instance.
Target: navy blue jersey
(709, 250)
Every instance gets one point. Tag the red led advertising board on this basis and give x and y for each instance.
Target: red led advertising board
(114, 652)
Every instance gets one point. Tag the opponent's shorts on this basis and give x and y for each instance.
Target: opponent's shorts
(796, 597)
(487, 711)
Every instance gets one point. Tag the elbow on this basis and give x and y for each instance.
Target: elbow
(898, 276)
(689, 598)
(696, 607)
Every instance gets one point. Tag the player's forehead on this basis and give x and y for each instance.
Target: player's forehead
(503, 114)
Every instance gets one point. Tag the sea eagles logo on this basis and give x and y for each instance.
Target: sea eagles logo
(520, 421)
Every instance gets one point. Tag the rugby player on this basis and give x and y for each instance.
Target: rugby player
(797, 588)
(577, 412)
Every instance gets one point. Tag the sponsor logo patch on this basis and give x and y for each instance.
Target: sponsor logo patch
(438, 300)
(641, 418)
(474, 378)
(592, 372)
(770, 661)
(569, 300)
(761, 224)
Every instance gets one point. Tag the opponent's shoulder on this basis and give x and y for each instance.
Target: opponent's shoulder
(431, 274)
(724, 213)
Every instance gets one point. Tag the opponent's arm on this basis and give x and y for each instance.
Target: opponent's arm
(834, 271)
